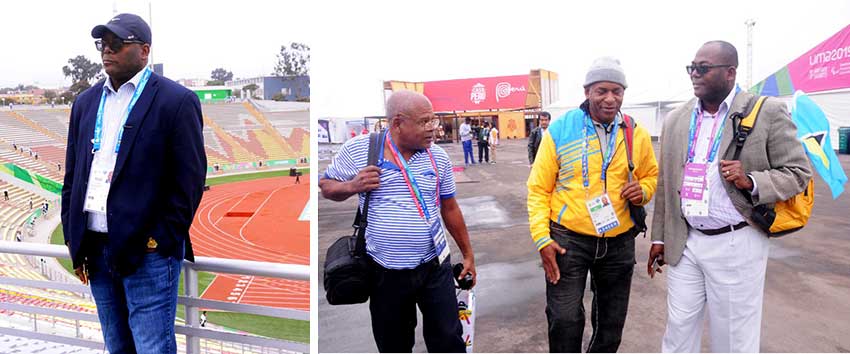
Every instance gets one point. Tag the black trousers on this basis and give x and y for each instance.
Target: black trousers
(483, 151)
(610, 261)
(393, 308)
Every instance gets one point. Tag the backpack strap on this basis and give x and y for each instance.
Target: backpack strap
(629, 138)
(747, 123)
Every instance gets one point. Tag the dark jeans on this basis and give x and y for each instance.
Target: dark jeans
(483, 151)
(467, 152)
(393, 307)
(136, 311)
(610, 262)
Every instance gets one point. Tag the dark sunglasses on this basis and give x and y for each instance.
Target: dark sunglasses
(115, 45)
(703, 69)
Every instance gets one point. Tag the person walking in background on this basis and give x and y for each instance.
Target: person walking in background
(466, 141)
(536, 135)
(493, 141)
(483, 148)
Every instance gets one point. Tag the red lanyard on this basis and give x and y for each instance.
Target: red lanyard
(411, 181)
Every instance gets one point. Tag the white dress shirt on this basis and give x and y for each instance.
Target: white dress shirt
(721, 211)
(113, 113)
(465, 132)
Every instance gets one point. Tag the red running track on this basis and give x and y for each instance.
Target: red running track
(266, 228)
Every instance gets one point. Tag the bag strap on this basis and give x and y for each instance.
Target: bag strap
(629, 137)
(745, 126)
(360, 220)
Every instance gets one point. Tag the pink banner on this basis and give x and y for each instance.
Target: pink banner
(503, 92)
(825, 67)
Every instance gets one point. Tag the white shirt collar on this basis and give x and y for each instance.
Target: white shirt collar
(134, 81)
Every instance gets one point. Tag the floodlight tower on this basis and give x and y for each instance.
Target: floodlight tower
(750, 23)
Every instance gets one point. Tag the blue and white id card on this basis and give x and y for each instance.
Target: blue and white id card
(438, 235)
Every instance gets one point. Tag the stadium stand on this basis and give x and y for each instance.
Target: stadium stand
(235, 134)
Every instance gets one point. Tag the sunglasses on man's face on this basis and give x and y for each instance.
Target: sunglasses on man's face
(703, 69)
(115, 45)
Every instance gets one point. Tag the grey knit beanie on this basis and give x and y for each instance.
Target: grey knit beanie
(605, 69)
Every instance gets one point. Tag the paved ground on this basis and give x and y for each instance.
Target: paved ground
(806, 297)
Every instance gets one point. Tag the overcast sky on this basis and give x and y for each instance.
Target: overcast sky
(190, 37)
(357, 45)
(440, 40)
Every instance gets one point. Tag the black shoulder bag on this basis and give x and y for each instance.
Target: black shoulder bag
(348, 270)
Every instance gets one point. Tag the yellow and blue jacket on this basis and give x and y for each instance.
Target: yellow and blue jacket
(555, 186)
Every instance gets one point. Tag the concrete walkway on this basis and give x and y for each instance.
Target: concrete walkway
(806, 290)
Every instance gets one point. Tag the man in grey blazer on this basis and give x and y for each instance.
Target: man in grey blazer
(702, 227)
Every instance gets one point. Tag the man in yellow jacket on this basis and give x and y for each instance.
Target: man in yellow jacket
(579, 192)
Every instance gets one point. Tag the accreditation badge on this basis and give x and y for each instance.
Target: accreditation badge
(695, 190)
(438, 235)
(602, 213)
(100, 180)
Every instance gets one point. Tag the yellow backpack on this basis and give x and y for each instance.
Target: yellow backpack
(785, 216)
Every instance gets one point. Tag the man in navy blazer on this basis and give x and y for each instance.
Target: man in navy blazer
(135, 171)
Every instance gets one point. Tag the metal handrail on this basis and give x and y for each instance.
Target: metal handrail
(191, 301)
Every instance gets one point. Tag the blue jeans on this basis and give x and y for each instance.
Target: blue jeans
(610, 261)
(136, 311)
(467, 152)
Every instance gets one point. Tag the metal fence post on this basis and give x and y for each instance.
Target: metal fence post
(190, 286)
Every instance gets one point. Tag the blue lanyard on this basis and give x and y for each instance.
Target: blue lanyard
(606, 160)
(411, 180)
(98, 127)
(693, 132)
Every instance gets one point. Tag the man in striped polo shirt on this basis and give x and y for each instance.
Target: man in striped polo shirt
(412, 198)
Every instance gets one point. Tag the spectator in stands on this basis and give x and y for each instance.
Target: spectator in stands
(6, 195)
(30, 203)
(35, 155)
(15, 147)
(131, 245)
(58, 166)
(18, 235)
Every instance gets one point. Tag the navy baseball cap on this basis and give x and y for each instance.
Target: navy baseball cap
(125, 26)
